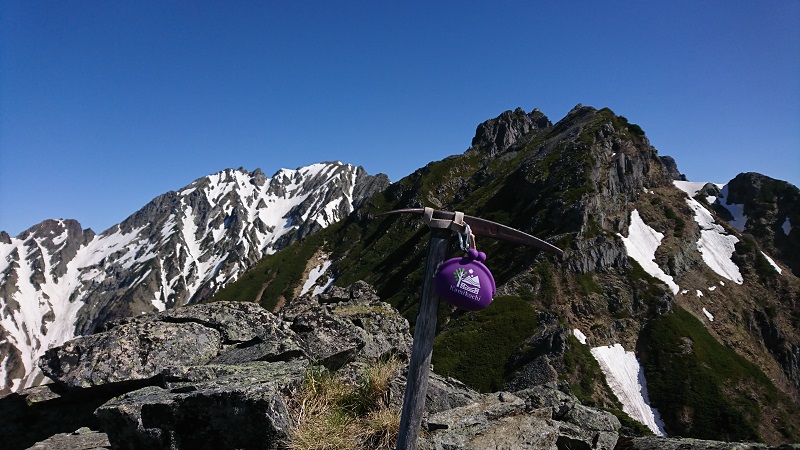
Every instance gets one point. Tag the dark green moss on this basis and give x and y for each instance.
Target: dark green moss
(587, 284)
(475, 346)
(582, 366)
(701, 388)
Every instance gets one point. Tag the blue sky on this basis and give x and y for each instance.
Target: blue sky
(106, 104)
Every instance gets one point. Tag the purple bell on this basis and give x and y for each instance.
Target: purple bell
(465, 282)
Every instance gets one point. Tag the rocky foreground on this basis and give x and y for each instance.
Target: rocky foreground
(221, 376)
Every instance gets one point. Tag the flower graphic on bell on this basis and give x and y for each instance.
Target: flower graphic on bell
(467, 280)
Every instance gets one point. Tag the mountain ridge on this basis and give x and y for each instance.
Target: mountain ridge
(178, 249)
(585, 184)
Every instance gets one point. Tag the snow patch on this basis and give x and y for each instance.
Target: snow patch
(626, 379)
(692, 187)
(715, 244)
(684, 292)
(777, 269)
(737, 211)
(320, 289)
(712, 288)
(579, 335)
(708, 314)
(699, 293)
(314, 275)
(787, 226)
(641, 245)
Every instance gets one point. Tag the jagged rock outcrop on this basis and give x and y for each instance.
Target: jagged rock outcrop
(226, 365)
(497, 135)
(771, 214)
(215, 406)
(167, 380)
(672, 168)
(543, 354)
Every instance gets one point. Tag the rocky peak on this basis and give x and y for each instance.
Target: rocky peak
(672, 168)
(58, 239)
(498, 135)
(771, 210)
(258, 178)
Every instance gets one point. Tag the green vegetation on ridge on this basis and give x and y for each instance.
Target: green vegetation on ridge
(474, 346)
(702, 388)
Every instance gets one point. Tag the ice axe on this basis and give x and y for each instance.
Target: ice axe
(442, 224)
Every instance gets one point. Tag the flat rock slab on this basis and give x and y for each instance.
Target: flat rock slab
(128, 352)
(221, 406)
(81, 439)
(496, 422)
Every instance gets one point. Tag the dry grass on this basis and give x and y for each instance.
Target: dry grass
(330, 414)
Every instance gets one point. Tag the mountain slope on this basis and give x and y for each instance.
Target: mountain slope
(638, 251)
(59, 281)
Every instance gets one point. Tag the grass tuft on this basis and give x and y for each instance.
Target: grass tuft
(332, 414)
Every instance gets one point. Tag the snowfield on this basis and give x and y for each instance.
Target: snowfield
(626, 379)
(579, 335)
(715, 244)
(641, 245)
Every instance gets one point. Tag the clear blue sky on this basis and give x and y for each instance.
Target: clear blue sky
(107, 104)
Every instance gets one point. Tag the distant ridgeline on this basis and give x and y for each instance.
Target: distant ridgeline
(59, 281)
(675, 307)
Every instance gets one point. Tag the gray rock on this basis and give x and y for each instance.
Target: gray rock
(81, 439)
(672, 168)
(578, 426)
(385, 331)
(261, 349)
(210, 407)
(129, 352)
(498, 135)
(663, 443)
(328, 339)
(534, 360)
(348, 324)
(497, 421)
(598, 254)
(334, 294)
(236, 321)
(446, 393)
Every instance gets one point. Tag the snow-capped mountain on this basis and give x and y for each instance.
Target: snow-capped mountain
(58, 280)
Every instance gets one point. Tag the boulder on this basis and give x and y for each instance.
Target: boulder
(328, 339)
(135, 351)
(496, 421)
(80, 439)
(348, 324)
(222, 406)
(578, 426)
(446, 393)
